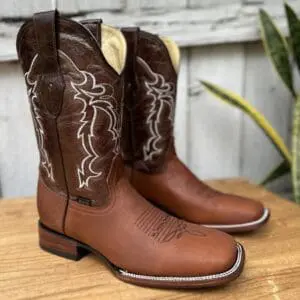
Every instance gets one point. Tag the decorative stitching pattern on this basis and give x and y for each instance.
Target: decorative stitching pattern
(162, 93)
(163, 227)
(94, 97)
(37, 120)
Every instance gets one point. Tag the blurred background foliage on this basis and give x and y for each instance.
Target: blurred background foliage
(284, 54)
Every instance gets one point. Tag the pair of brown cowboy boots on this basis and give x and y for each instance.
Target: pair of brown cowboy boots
(101, 99)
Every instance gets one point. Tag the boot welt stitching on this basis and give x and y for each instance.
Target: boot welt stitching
(222, 275)
(264, 216)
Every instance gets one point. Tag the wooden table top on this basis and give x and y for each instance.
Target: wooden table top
(272, 269)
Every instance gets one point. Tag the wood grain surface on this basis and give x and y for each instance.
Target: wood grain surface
(272, 268)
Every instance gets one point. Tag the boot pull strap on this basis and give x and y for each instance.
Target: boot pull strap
(131, 34)
(51, 84)
(94, 26)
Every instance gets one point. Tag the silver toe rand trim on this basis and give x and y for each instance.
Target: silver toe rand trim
(231, 271)
(264, 216)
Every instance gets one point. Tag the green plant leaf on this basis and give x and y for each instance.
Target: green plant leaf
(294, 28)
(257, 117)
(296, 152)
(277, 49)
(283, 168)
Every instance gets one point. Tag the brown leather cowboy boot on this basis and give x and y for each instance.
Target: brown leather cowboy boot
(74, 77)
(157, 173)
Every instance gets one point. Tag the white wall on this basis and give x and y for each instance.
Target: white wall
(218, 40)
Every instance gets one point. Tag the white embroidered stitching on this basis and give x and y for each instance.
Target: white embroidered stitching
(97, 101)
(32, 94)
(162, 92)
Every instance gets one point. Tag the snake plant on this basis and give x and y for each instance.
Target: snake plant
(279, 50)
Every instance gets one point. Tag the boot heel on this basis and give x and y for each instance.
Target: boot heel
(60, 245)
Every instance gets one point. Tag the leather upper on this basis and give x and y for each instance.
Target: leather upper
(73, 152)
(157, 172)
(179, 191)
(139, 237)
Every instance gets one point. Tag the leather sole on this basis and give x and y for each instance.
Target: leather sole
(61, 245)
(243, 227)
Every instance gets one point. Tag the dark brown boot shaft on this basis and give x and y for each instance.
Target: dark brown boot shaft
(151, 80)
(76, 102)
